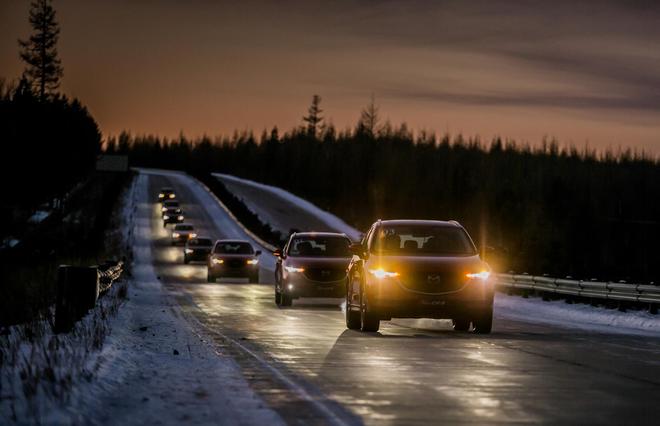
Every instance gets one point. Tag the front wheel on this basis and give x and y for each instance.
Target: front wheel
(285, 300)
(278, 298)
(483, 323)
(210, 277)
(368, 320)
(254, 277)
(186, 260)
(461, 324)
(353, 320)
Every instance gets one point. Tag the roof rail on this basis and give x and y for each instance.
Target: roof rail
(455, 222)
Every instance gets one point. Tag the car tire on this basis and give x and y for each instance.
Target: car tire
(368, 320)
(210, 277)
(353, 320)
(461, 324)
(254, 278)
(483, 324)
(186, 260)
(286, 300)
(278, 298)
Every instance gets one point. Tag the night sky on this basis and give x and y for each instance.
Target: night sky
(581, 71)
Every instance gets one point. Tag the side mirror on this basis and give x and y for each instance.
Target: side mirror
(257, 253)
(277, 253)
(357, 249)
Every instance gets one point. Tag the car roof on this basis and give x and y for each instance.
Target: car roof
(167, 188)
(449, 223)
(319, 234)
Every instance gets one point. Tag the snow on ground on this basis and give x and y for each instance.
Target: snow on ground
(154, 368)
(511, 307)
(39, 216)
(582, 316)
(328, 218)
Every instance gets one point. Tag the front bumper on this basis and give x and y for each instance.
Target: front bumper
(300, 286)
(389, 299)
(246, 271)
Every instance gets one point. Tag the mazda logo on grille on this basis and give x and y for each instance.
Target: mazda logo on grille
(325, 273)
(433, 278)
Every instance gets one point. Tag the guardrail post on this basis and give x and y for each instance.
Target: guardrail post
(77, 292)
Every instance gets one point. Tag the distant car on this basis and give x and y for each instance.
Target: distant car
(418, 269)
(233, 258)
(169, 204)
(312, 264)
(197, 249)
(182, 232)
(166, 193)
(172, 215)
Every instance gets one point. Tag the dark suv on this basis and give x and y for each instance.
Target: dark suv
(418, 269)
(233, 258)
(312, 264)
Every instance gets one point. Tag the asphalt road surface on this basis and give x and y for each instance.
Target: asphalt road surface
(309, 368)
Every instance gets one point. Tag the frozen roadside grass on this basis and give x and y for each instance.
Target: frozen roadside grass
(39, 369)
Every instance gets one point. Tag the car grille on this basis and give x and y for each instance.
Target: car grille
(235, 263)
(324, 274)
(432, 282)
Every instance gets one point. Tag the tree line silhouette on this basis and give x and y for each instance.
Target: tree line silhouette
(537, 209)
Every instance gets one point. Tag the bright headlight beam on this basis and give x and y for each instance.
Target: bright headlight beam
(380, 273)
(294, 269)
(217, 261)
(252, 261)
(483, 275)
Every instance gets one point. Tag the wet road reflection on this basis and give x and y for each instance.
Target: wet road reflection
(420, 371)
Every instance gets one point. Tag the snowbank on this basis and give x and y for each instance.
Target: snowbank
(329, 219)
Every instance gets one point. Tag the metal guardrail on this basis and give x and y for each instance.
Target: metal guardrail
(600, 290)
(78, 290)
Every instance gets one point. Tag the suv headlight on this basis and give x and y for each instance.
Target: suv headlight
(166, 217)
(483, 275)
(380, 273)
(294, 269)
(175, 235)
(217, 261)
(252, 261)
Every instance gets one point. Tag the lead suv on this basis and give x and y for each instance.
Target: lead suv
(418, 269)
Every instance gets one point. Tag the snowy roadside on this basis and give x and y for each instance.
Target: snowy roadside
(508, 307)
(154, 368)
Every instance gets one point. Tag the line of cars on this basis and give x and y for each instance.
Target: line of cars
(224, 258)
(399, 269)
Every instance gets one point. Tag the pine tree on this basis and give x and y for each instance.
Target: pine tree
(313, 117)
(39, 52)
(369, 119)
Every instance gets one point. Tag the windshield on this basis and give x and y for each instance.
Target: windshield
(319, 246)
(422, 240)
(200, 242)
(183, 227)
(233, 248)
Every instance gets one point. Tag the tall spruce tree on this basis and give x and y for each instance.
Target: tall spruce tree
(313, 117)
(39, 52)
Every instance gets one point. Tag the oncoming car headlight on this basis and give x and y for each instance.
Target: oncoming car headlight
(189, 251)
(294, 269)
(166, 217)
(252, 261)
(217, 261)
(175, 235)
(380, 273)
(180, 217)
(172, 195)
